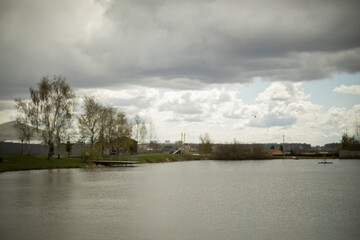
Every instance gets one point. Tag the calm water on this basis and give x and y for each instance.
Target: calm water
(277, 199)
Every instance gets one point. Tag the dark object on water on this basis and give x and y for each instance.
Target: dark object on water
(1, 159)
(325, 162)
(118, 163)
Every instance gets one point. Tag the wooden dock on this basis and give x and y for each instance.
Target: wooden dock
(117, 163)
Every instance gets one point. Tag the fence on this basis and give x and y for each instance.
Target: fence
(37, 149)
(349, 154)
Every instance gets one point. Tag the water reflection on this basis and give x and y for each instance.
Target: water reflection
(186, 200)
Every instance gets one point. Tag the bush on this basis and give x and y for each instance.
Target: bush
(237, 151)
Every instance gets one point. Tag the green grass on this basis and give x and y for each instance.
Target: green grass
(23, 162)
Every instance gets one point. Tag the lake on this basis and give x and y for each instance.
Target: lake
(273, 199)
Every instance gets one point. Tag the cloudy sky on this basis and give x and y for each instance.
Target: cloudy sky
(247, 70)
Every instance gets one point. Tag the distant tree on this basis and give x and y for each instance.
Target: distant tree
(349, 143)
(281, 148)
(136, 127)
(54, 101)
(25, 120)
(236, 151)
(151, 131)
(357, 131)
(205, 145)
(89, 121)
(123, 130)
(154, 146)
(272, 147)
(143, 132)
(109, 129)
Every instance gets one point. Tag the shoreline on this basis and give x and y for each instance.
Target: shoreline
(12, 163)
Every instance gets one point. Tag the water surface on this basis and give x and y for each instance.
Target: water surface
(274, 199)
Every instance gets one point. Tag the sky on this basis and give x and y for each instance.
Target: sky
(247, 70)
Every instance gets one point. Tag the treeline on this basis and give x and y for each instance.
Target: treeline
(50, 112)
(351, 143)
(232, 151)
(236, 151)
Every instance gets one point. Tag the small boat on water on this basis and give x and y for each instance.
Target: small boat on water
(323, 162)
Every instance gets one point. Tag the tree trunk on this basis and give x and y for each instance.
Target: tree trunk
(51, 149)
(29, 148)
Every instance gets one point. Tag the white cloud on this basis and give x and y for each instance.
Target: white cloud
(353, 89)
(282, 92)
(281, 108)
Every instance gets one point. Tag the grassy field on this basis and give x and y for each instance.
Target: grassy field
(23, 162)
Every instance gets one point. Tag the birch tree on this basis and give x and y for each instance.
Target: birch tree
(136, 127)
(143, 132)
(89, 121)
(25, 120)
(123, 130)
(54, 101)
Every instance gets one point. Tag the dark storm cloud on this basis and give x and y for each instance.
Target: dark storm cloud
(172, 44)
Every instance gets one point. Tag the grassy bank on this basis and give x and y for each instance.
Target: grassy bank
(158, 158)
(22, 162)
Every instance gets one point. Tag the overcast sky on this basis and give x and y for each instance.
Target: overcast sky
(246, 70)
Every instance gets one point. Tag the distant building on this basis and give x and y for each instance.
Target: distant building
(276, 153)
(124, 145)
(9, 134)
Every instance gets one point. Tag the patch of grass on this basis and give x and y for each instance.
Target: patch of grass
(23, 162)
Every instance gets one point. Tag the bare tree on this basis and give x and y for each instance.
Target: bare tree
(90, 121)
(205, 146)
(122, 133)
(143, 132)
(151, 132)
(26, 118)
(357, 131)
(136, 127)
(110, 130)
(107, 132)
(54, 101)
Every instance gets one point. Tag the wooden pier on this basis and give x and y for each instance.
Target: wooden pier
(117, 163)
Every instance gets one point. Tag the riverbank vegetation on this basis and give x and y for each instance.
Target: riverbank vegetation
(26, 162)
(236, 151)
(157, 158)
(351, 143)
